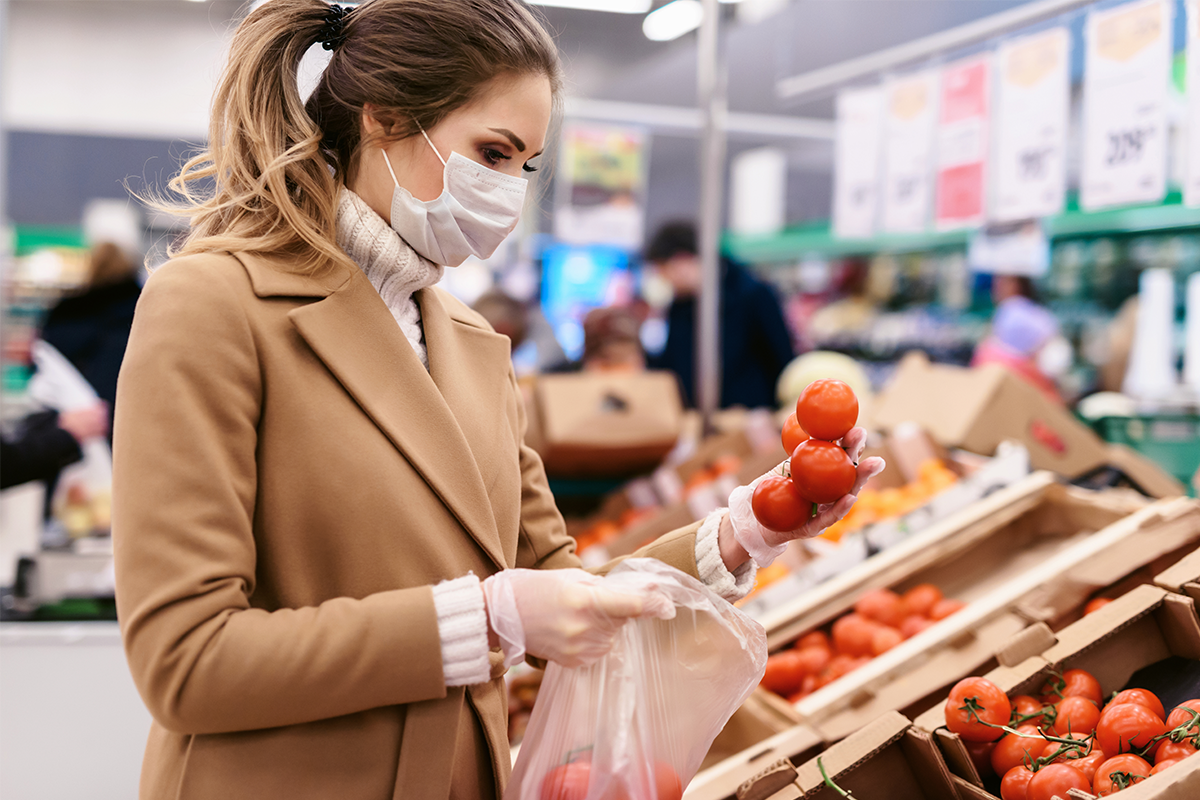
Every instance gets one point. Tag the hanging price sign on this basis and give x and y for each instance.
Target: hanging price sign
(909, 106)
(1032, 110)
(857, 162)
(962, 143)
(1191, 181)
(1128, 70)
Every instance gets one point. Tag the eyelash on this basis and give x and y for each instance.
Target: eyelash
(494, 157)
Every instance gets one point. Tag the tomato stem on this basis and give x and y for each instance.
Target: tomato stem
(971, 705)
(1124, 780)
(1180, 733)
(829, 781)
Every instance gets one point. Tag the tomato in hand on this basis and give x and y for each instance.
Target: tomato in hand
(1076, 715)
(778, 504)
(1142, 697)
(1015, 784)
(881, 605)
(793, 435)
(1056, 779)
(1012, 751)
(974, 702)
(1120, 772)
(921, 599)
(1126, 727)
(827, 409)
(567, 781)
(822, 471)
(1073, 683)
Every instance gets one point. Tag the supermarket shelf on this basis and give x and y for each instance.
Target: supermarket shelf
(818, 240)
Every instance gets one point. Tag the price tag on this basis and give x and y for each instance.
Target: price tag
(962, 143)
(1191, 183)
(1032, 111)
(1127, 75)
(909, 118)
(857, 162)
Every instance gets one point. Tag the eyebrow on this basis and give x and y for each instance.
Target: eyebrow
(512, 137)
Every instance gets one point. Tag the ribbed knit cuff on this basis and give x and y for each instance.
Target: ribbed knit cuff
(732, 586)
(462, 624)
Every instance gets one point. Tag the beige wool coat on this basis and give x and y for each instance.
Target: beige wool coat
(289, 482)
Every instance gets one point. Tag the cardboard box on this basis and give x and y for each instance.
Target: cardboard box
(1183, 577)
(887, 758)
(1143, 627)
(592, 424)
(976, 409)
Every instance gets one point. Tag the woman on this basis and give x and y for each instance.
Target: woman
(318, 456)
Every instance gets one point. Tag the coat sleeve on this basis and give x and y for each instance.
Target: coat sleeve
(38, 452)
(185, 479)
(544, 542)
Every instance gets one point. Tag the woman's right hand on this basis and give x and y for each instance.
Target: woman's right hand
(562, 615)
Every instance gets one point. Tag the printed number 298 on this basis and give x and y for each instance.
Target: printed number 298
(1128, 145)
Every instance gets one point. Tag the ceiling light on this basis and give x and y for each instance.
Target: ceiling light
(615, 6)
(673, 20)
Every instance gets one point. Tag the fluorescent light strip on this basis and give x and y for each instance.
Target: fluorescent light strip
(673, 20)
(614, 6)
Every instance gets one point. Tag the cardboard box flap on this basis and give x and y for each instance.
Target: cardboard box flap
(906, 398)
(1180, 782)
(1177, 619)
(967, 791)
(609, 411)
(1177, 577)
(1105, 622)
(925, 761)
(723, 779)
(853, 750)
(777, 775)
(1026, 644)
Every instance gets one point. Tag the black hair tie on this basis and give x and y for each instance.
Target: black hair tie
(333, 32)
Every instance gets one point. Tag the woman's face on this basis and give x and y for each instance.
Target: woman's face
(505, 129)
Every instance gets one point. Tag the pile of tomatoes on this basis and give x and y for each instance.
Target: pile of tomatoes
(1069, 737)
(821, 472)
(570, 781)
(881, 619)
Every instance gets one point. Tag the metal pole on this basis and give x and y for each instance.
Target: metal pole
(711, 74)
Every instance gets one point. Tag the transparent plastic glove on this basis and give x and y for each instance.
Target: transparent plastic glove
(765, 545)
(563, 615)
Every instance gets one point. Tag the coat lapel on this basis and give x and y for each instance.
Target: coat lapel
(352, 331)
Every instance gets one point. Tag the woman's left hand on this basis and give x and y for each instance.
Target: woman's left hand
(741, 536)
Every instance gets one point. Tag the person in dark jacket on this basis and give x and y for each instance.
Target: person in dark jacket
(45, 441)
(755, 342)
(92, 328)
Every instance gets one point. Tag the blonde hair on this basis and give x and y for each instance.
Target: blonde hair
(269, 178)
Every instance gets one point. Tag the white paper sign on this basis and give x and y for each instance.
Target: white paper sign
(963, 113)
(857, 162)
(1191, 182)
(1032, 112)
(1127, 74)
(909, 118)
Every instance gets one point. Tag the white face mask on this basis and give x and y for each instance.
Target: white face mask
(477, 209)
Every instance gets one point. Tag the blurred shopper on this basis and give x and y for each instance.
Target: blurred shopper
(611, 342)
(755, 343)
(43, 443)
(91, 327)
(507, 315)
(330, 537)
(1021, 331)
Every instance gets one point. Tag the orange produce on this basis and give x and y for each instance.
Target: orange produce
(884, 639)
(881, 605)
(921, 599)
(853, 634)
(944, 608)
(912, 625)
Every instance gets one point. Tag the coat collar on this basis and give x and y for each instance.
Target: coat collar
(352, 331)
(271, 276)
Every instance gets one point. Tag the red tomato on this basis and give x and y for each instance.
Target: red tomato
(1126, 727)
(1015, 784)
(827, 409)
(1173, 751)
(1142, 697)
(1160, 766)
(813, 639)
(1095, 604)
(1012, 751)
(822, 471)
(945, 607)
(881, 605)
(813, 659)
(667, 785)
(839, 665)
(778, 504)
(1076, 715)
(1026, 706)
(1120, 772)
(1085, 764)
(1073, 683)
(884, 639)
(990, 706)
(921, 599)
(1180, 715)
(853, 635)
(1058, 750)
(567, 781)
(793, 435)
(784, 672)
(981, 756)
(1056, 779)
(914, 624)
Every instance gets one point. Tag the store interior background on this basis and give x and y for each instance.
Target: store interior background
(99, 96)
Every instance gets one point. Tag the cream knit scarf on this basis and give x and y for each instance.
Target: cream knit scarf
(392, 267)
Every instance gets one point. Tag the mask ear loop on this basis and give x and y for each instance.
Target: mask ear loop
(388, 161)
(435, 150)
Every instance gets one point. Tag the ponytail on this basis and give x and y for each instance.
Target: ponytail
(269, 178)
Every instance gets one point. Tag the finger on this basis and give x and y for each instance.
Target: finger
(854, 442)
(618, 605)
(867, 468)
(827, 515)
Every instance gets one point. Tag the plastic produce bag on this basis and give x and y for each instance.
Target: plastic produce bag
(636, 724)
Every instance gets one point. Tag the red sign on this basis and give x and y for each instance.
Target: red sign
(962, 143)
